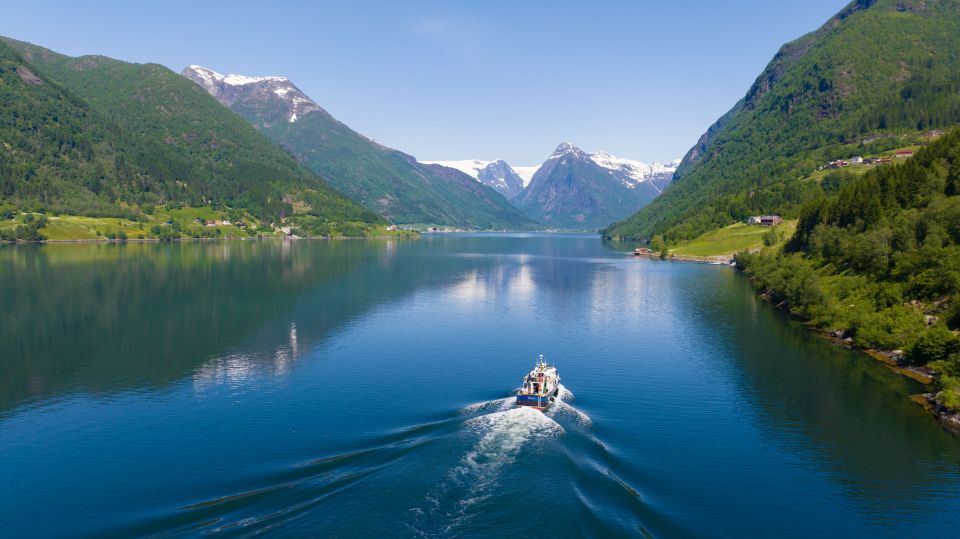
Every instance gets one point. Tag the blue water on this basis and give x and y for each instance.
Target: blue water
(362, 389)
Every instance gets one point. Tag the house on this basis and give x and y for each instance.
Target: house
(839, 163)
(884, 161)
(770, 220)
(857, 160)
(904, 153)
(755, 220)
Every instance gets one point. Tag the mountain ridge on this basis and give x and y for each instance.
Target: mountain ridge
(385, 180)
(166, 142)
(574, 189)
(883, 68)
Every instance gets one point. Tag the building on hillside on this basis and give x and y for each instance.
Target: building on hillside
(770, 220)
(857, 160)
(839, 163)
(904, 153)
(755, 220)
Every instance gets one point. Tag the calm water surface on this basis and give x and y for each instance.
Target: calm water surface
(362, 388)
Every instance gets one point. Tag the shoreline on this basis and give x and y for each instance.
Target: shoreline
(891, 359)
(948, 418)
(715, 260)
(231, 238)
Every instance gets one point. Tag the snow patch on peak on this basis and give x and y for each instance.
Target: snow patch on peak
(470, 167)
(242, 80)
(633, 172)
(210, 76)
(526, 173)
(230, 88)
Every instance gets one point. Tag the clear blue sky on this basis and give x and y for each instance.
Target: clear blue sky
(463, 79)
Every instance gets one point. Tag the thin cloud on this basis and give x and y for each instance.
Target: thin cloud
(457, 34)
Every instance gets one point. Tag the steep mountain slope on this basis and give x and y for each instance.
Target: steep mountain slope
(54, 151)
(878, 261)
(171, 142)
(485, 203)
(496, 174)
(878, 68)
(577, 190)
(388, 181)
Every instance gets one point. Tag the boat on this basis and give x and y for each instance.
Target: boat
(540, 386)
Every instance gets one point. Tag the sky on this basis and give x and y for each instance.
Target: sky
(485, 79)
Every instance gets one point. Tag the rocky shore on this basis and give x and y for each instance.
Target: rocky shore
(895, 360)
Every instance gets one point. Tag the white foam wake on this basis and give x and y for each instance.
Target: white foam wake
(559, 409)
(502, 434)
(499, 405)
(473, 480)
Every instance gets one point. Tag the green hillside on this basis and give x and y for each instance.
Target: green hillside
(878, 69)
(878, 261)
(144, 136)
(387, 181)
(573, 192)
(54, 150)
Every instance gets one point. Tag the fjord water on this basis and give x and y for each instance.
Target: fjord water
(362, 388)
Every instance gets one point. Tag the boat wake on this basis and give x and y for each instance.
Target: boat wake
(501, 431)
(501, 436)
(498, 405)
(462, 464)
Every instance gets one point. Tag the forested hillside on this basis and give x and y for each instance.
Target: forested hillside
(876, 259)
(387, 181)
(105, 137)
(53, 149)
(883, 68)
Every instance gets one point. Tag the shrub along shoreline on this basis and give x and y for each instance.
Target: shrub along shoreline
(875, 264)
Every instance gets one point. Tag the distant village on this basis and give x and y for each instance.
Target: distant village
(774, 220)
(857, 160)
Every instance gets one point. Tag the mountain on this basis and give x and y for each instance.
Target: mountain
(385, 180)
(54, 150)
(876, 260)
(576, 190)
(526, 173)
(107, 135)
(877, 70)
(496, 174)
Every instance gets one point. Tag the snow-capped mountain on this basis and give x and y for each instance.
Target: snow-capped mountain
(576, 189)
(229, 89)
(384, 180)
(526, 173)
(496, 174)
(632, 173)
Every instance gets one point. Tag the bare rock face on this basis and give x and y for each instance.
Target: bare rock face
(501, 177)
(575, 189)
(286, 101)
(28, 77)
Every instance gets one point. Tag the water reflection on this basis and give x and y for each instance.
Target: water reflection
(103, 318)
(812, 398)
